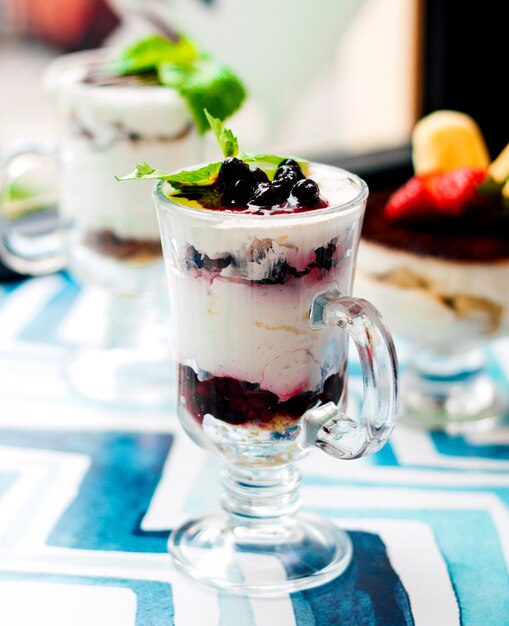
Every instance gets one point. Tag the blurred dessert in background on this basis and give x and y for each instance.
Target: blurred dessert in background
(107, 123)
(116, 109)
(434, 254)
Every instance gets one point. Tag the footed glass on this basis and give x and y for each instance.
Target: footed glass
(448, 311)
(261, 318)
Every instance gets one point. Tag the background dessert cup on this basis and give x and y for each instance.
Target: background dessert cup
(434, 257)
(111, 235)
(448, 305)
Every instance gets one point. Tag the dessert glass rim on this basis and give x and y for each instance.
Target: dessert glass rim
(353, 180)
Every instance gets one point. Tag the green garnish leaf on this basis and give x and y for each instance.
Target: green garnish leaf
(225, 138)
(203, 83)
(201, 177)
(149, 53)
(143, 171)
(206, 85)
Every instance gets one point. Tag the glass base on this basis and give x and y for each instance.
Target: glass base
(122, 375)
(451, 393)
(261, 559)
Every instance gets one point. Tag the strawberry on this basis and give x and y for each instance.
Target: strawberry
(411, 201)
(428, 196)
(453, 192)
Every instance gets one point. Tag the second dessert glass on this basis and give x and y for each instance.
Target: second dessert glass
(109, 235)
(261, 319)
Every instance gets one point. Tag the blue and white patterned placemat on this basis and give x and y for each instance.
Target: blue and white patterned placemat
(88, 495)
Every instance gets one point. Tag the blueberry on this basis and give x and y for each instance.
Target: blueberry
(237, 193)
(259, 176)
(306, 192)
(290, 172)
(233, 169)
(263, 195)
(282, 190)
(285, 178)
(290, 162)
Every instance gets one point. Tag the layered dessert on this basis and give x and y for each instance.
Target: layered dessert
(107, 124)
(434, 254)
(115, 110)
(247, 253)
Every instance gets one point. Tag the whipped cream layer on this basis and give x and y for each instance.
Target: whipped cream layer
(245, 320)
(435, 302)
(106, 131)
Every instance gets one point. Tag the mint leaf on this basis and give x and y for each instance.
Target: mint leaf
(143, 171)
(202, 177)
(225, 138)
(149, 53)
(206, 85)
(201, 82)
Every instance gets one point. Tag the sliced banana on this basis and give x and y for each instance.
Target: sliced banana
(499, 169)
(448, 140)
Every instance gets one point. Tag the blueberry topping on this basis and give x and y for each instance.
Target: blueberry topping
(238, 193)
(259, 176)
(282, 190)
(290, 162)
(289, 172)
(263, 195)
(286, 177)
(306, 192)
(233, 169)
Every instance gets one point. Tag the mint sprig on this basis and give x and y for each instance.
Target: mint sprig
(149, 53)
(225, 138)
(181, 65)
(207, 175)
(202, 177)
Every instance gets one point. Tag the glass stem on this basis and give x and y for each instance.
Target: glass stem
(448, 368)
(447, 391)
(254, 496)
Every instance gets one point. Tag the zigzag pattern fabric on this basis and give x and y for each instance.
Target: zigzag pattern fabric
(89, 495)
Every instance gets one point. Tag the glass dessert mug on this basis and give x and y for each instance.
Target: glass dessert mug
(108, 235)
(261, 317)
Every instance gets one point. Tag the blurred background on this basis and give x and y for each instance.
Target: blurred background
(325, 78)
(313, 70)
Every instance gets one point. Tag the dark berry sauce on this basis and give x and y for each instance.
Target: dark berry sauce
(239, 402)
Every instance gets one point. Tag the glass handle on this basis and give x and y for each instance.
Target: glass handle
(326, 426)
(32, 240)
